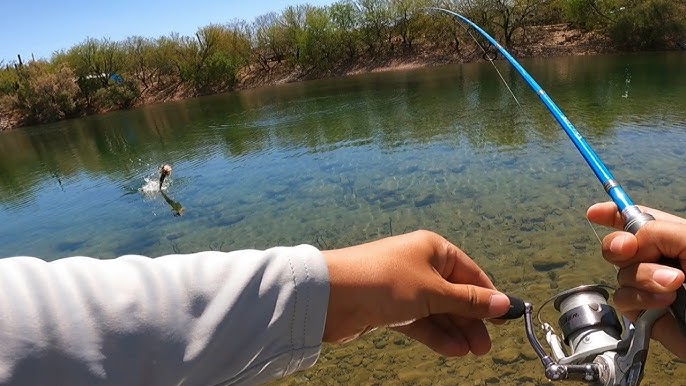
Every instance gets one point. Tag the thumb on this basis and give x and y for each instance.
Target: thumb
(468, 301)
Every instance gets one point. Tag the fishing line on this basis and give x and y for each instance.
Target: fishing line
(594, 232)
(491, 59)
(491, 55)
(634, 219)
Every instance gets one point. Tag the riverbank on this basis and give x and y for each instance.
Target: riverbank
(539, 41)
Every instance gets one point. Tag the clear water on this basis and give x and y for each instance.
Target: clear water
(341, 161)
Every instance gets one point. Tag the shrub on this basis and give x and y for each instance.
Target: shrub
(8, 81)
(217, 74)
(117, 96)
(45, 94)
(648, 24)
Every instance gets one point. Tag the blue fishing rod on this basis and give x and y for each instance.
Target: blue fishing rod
(633, 219)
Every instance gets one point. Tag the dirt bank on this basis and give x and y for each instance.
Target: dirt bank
(540, 41)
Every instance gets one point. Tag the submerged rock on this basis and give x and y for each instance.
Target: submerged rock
(543, 263)
(425, 200)
(175, 235)
(507, 356)
(229, 220)
(70, 246)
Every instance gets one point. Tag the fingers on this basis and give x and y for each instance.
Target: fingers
(619, 248)
(450, 336)
(651, 277)
(662, 216)
(474, 331)
(436, 338)
(647, 285)
(460, 268)
(662, 238)
(667, 332)
(628, 299)
(655, 238)
(468, 301)
(411, 277)
(644, 284)
(606, 214)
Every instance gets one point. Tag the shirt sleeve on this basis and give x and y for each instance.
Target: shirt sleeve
(209, 318)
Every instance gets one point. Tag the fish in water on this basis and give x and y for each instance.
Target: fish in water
(165, 171)
(176, 207)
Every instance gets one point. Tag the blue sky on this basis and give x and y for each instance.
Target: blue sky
(41, 27)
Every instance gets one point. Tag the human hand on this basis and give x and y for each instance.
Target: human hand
(420, 283)
(643, 283)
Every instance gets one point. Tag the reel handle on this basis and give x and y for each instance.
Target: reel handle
(634, 220)
(516, 310)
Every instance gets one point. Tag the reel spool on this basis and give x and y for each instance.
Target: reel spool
(589, 325)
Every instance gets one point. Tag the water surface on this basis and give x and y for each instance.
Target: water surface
(341, 161)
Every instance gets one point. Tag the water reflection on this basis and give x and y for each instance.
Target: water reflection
(391, 110)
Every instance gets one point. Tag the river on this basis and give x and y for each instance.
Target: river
(337, 162)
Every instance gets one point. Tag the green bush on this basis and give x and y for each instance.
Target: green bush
(218, 73)
(587, 14)
(648, 24)
(45, 94)
(8, 81)
(117, 96)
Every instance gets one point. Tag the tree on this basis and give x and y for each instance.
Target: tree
(96, 59)
(210, 61)
(318, 41)
(585, 13)
(167, 59)
(293, 20)
(344, 18)
(269, 40)
(375, 25)
(411, 19)
(8, 80)
(140, 62)
(443, 31)
(239, 42)
(504, 16)
(93, 63)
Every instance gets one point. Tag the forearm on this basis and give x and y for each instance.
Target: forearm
(202, 319)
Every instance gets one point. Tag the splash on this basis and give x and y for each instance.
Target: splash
(627, 82)
(151, 185)
(157, 182)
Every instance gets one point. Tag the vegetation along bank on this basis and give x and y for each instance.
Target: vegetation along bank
(307, 42)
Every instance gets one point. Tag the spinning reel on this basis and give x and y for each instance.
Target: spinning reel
(601, 348)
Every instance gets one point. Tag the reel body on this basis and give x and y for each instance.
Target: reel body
(601, 348)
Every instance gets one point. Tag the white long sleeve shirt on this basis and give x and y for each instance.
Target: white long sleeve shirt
(209, 318)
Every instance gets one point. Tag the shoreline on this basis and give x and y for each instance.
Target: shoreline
(553, 40)
(542, 41)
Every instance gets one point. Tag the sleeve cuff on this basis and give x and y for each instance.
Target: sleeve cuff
(311, 278)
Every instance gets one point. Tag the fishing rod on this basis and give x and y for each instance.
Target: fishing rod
(586, 316)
